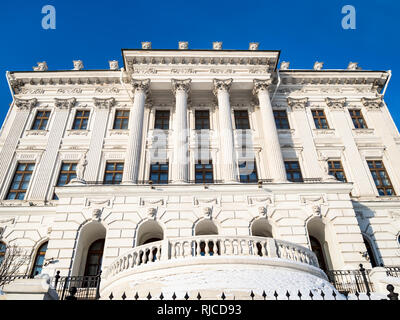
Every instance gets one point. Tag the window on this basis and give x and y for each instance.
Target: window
(20, 182)
(159, 173)
(94, 258)
(162, 120)
(320, 119)
(242, 120)
(336, 170)
(113, 173)
(41, 119)
(204, 172)
(121, 119)
(248, 171)
(67, 173)
(3, 248)
(319, 252)
(202, 119)
(293, 172)
(81, 120)
(39, 260)
(358, 120)
(281, 119)
(381, 178)
(370, 251)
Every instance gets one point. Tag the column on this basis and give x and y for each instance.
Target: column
(273, 149)
(103, 107)
(132, 163)
(180, 158)
(23, 108)
(310, 155)
(227, 149)
(42, 182)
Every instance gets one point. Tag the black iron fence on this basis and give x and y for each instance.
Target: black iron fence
(351, 281)
(77, 287)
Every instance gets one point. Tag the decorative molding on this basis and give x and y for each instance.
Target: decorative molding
(107, 90)
(223, 85)
(141, 85)
(297, 103)
(65, 103)
(25, 104)
(104, 103)
(372, 104)
(181, 85)
(69, 91)
(78, 65)
(261, 85)
(41, 66)
(336, 104)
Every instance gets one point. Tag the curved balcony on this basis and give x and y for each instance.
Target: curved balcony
(214, 262)
(217, 246)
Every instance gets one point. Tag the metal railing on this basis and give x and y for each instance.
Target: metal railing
(77, 287)
(351, 281)
(393, 272)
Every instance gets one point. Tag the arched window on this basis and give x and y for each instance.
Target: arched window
(39, 260)
(94, 258)
(2, 251)
(207, 227)
(261, 228)
(317, 249)
(372, 258)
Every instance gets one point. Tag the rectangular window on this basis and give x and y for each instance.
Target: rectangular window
(113, 173)
(202, 119)
(281, 119)
(204, 172)
(159, 173)
(41, 119)
(20, 182)
(242, 120)
(320, 119)
(381, 178)
(121, 119)
(336, 170)
(358, 119)
(67, 173)
(293, 171)
(248, 172)
(81, 120)
(162, 120)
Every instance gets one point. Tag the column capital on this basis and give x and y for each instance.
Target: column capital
(104, 103)
(181, 85)
(224, 85)
(336, 104)
(141, 85)
(261, 85)
(372, 103)
(64, 103)
(297, 103)
(25, 104)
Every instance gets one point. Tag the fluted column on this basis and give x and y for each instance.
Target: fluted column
(132, 162)
(273, 151)
(227, 149)
(180, 158)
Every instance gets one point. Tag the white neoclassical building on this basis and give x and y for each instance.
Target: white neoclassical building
(201, 171)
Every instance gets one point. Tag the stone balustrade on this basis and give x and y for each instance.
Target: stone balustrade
(210, 246)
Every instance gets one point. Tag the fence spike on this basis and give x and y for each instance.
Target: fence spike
(334, 294)
(149, 296)
(252, 295)
(223, 297)
(311, 295)
(357, 295)
(264, 295)
(174, 296)
(322, 295)
(136, 296)
(161, 296)
(186, 296)
(123, 296)
(276, 295)
(369, 295)
(198, 296)
(287, 295)
(299, 294)
(111, 296)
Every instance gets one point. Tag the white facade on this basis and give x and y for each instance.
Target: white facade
(181, 213)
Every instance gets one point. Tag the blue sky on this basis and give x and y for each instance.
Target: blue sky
(305, 31)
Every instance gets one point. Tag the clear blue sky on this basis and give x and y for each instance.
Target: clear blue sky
(305, 31)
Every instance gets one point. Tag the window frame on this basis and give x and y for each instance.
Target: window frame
(113, 172)
(123, 117)
(291, 170)
(355, 119)
(333, 170)
(202, 118)
(278, 119)
(159, 172)
(39, 253)
(237, 111)
(377, 170)
(48, 112)
(162, 118)
(81, 120)
(23, 172)
(204, 172)
(248, 180)
(318, 118)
